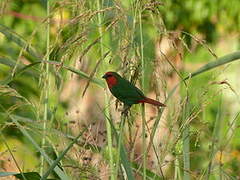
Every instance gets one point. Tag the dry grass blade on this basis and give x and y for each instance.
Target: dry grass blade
(202, 42)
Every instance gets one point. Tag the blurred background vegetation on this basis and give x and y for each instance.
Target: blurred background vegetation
(43, 106)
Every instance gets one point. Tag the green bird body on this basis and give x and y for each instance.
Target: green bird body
(125, 91)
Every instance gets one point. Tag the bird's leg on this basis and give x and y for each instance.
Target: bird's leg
(116, 103)
(125, 110)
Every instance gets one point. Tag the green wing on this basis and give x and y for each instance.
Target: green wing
(127, 92)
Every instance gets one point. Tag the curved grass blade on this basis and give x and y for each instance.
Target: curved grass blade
(4, 174)
(94, 71)
(55, 163)
(123, 153)
(8, 62)
(150, 174)
(78, 72)
(20, 41)
(207, 67)
(213, 64)
(7, 80)
(11, 63)
(126, 163)
(28, 175)
(84, 75)
(58, 171)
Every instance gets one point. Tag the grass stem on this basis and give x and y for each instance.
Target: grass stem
(46, 87)
(143, 88)
(107, 110)
(186, 144)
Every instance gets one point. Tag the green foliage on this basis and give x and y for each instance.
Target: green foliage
(205, 17)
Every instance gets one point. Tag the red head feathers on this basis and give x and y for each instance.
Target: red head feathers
(111, 79)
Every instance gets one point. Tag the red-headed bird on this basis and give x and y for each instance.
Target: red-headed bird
(126, 92)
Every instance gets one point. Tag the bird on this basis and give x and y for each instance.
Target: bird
(126, 92)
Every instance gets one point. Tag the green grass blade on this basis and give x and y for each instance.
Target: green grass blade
(46, 87)
(216, 63)
(186, 142)
(123, 154)
(84, 75)
(4, 174)
(57, 170)
(78, 72)
(55, 163)
(144, 157)
(149, 174)
(215, 140)
(8, 62)
(11, 63)
(20, 41)
(125, 162)
(11, 153)
(109, 138)
(207, 67)
(28, 175)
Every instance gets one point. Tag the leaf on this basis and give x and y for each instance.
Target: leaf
(28, 176)
(23, 176)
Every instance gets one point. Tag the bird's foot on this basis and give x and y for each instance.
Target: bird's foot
(125, 110)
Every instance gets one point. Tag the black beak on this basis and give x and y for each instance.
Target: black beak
(104, 76)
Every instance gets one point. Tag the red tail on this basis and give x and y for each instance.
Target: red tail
(153, 102)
